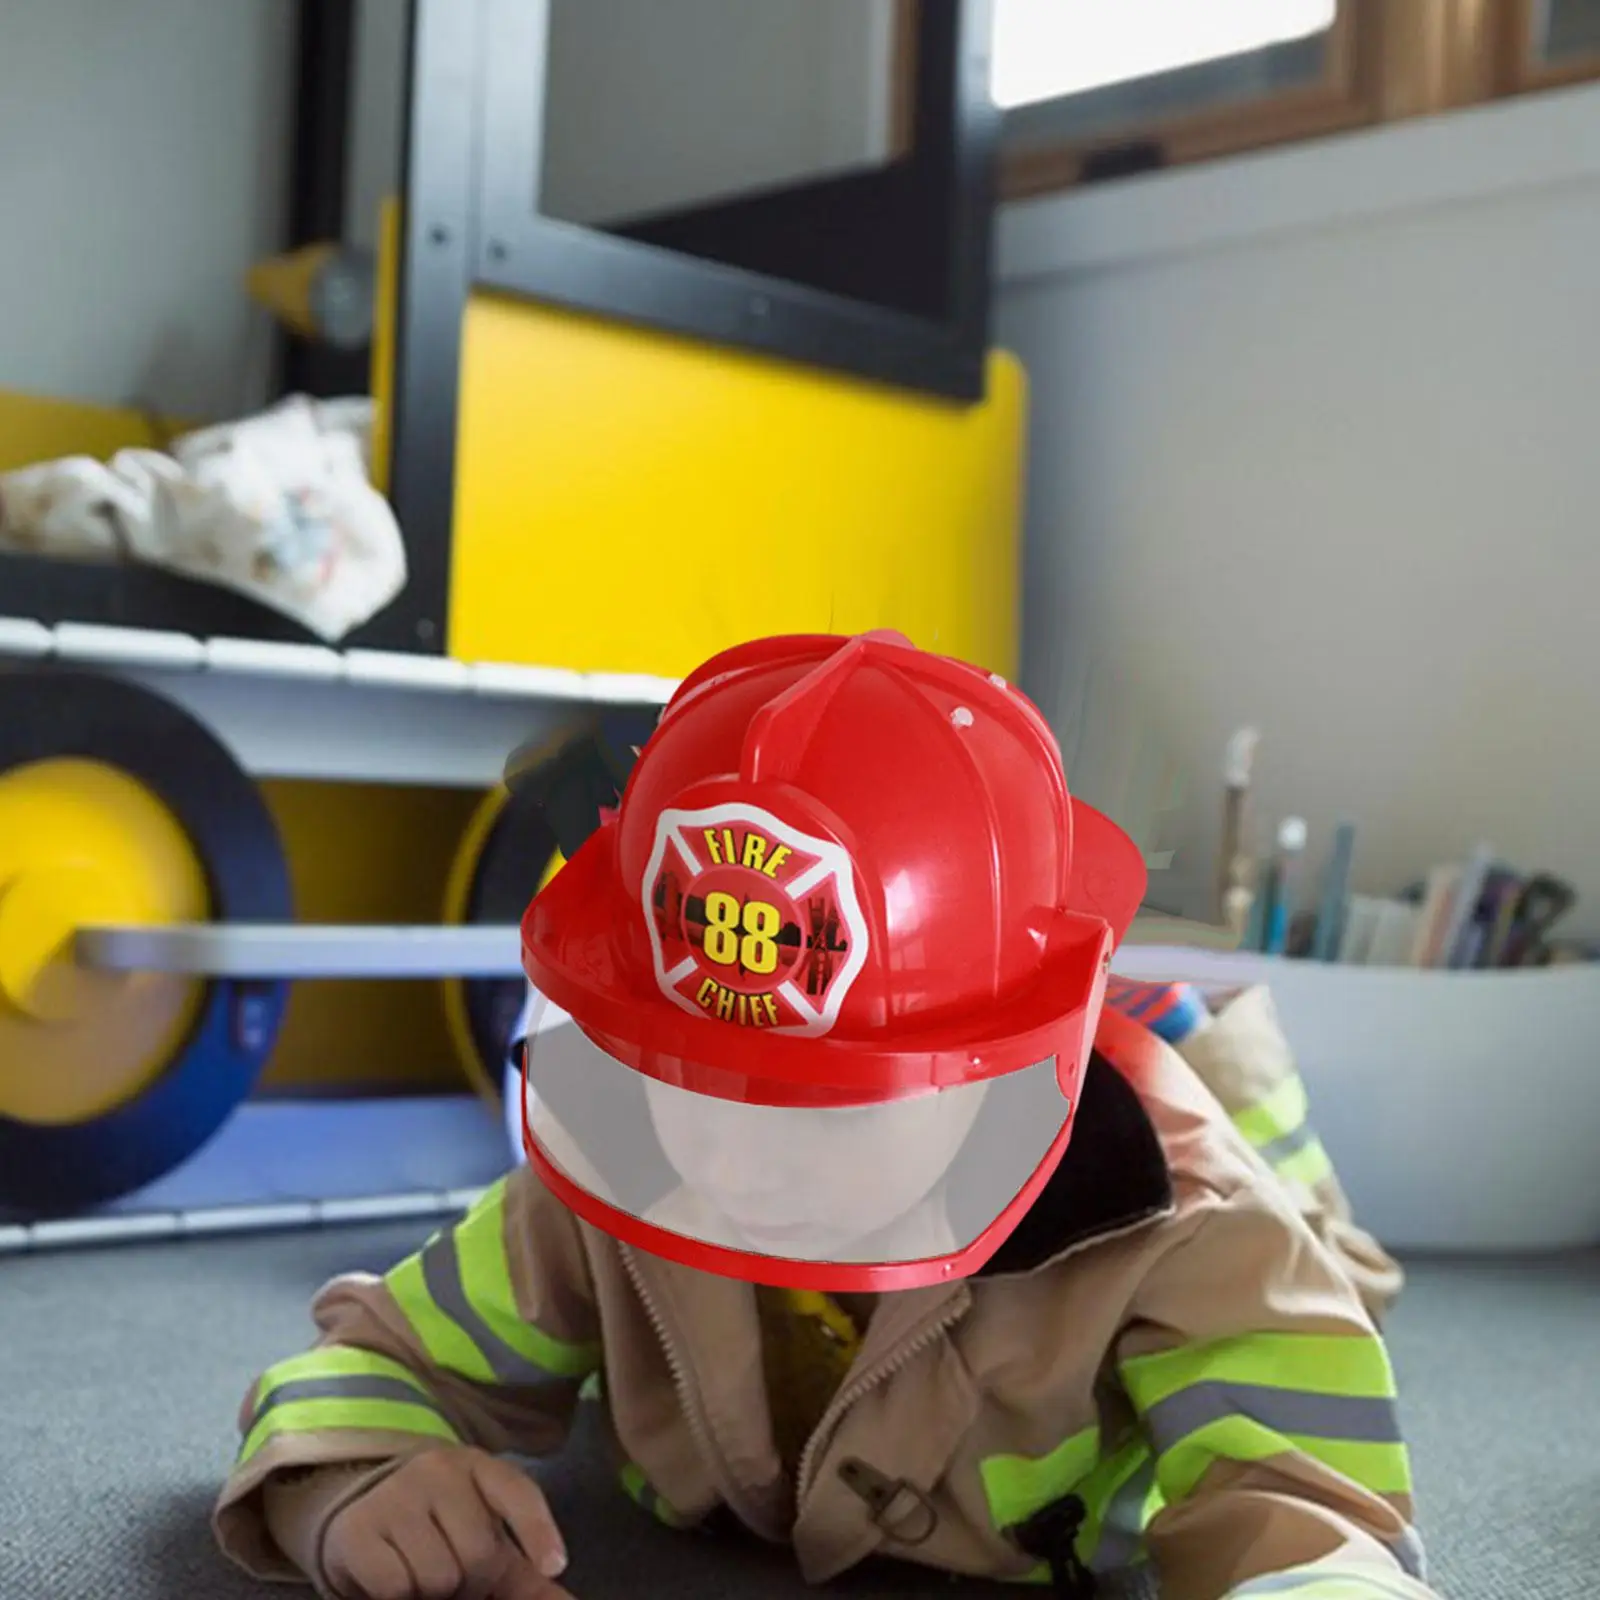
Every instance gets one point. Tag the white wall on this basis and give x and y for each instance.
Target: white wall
(1314, 446)
(375, 171)
(144, 151)
(143, 158)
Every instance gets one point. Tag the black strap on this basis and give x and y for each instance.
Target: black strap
(1051, 1535)
(580, 771)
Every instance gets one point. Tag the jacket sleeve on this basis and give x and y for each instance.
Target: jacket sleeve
(1245, 1060)
(483, 1337)
(1269, 1402)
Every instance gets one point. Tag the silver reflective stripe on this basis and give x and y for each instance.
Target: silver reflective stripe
(1409, 1552)
(339, 1388)
(1347, 1584)
(441, 1272)
(1122, 1532)
(1293, 1412)
(1276, 1151)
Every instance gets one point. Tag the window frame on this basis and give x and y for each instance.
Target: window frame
(1519, 69)
(1385, 62)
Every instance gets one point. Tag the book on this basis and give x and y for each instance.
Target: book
(1498, 908)
(1463, 908)
(1335, 894)
(1437, 898)
(1360, 922)
(1394, 934)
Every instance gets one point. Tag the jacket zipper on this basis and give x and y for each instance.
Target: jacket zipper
(694, 1411)
(901, 1356)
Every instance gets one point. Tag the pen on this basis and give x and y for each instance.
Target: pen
(1285, 869)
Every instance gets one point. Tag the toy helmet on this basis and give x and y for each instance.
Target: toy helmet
(835, 965)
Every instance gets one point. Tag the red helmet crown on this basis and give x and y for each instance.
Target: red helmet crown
(844, 842)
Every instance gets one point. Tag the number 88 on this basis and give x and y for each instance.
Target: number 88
(744, 936)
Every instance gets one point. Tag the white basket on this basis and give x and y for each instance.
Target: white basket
(1461, 1109)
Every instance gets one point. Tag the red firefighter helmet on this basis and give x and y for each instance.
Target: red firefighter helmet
(835, 967)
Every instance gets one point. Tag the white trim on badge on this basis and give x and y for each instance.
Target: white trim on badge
(675, 826)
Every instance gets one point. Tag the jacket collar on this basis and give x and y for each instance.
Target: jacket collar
(1113, 1176)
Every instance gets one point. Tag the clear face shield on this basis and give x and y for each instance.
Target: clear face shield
(715, 1177)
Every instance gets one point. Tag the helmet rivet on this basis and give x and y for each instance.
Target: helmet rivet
(961, 717)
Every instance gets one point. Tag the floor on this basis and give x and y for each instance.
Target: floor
(120, 1371)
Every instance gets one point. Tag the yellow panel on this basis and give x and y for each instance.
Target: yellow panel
(632, 502)
(367, 853)
(34, 428)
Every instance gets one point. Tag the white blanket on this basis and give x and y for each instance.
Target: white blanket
(279, 507)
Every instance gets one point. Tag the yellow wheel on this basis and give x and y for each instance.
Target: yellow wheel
(556, 788)
(84, 844)
(117, 808)
(507, 855)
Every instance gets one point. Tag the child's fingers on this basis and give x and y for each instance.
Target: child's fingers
(373, 1570)
(514, 1496)
(482, 1547)
(523, 1583)
(435, 1572)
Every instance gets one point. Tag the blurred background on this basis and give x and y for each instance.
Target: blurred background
(394, 389)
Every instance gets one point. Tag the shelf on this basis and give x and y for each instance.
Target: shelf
(355, 716)
(280, 1164)
(92, 645)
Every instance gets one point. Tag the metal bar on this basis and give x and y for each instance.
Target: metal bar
(275, 1216)
(300, 950)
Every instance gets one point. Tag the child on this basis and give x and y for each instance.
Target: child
(881, 1235)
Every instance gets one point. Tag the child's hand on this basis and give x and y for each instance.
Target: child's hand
(451, 1524)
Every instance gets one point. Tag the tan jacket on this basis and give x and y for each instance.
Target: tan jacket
(1245, 1060)
(1164, 1352)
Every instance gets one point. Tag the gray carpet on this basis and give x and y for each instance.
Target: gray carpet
(120, 1371)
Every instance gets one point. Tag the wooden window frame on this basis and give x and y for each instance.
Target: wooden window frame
(1519, 70)
(1388, 60)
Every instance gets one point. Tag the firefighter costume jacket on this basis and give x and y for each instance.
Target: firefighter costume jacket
(1174, 1359)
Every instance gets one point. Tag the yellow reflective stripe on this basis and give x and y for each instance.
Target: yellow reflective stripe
(339, 1413)
(1267, 1394)
(1278, 1127)
(1380, 1468)
(640, 1491)
(456, 1293)
(446, 1344)
(633, 1480)
(339, 1386)
(336, 1361)
(1275, 1115)
(486, 1272)
(1309, 1165)
(1104, 1488)
(1017, 1486)
(1350, 1364)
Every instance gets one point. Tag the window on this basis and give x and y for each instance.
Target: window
(1047, 49)
(1092, 90)
(1552, 42)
